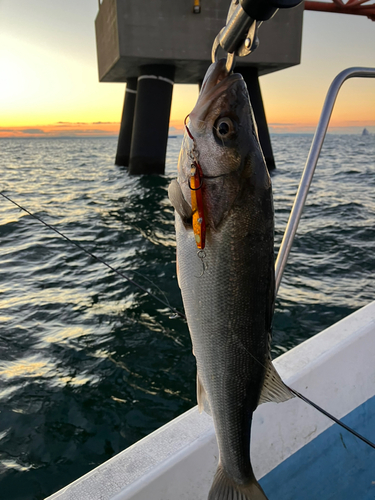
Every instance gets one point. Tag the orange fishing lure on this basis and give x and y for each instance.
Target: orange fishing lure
(199, 223)
(195, 184)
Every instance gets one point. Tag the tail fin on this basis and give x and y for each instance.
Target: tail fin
(224, 488)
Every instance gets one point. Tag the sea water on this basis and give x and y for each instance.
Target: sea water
(89, 363)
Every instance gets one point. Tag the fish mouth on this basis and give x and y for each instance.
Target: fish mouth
(216, 82)
(216, 74)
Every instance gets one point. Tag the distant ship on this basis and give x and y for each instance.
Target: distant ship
(365, 132)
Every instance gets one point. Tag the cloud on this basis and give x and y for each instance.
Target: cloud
(175, 131)
(105, 123)
(87, 123)
(177, 125)
(63, 124)
(298, 128)
(74, 132)
(32, 131)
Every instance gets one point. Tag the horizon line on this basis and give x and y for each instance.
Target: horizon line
(111, 129)
(170, 136)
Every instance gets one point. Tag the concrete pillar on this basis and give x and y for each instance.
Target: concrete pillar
(250, 75)
(151, 119)
(125, 135)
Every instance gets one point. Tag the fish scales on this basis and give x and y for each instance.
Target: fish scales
(228, 295)
(231, 355)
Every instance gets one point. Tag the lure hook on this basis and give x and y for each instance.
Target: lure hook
(194, 168)
(202, 255)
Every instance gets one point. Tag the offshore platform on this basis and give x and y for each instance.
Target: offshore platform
(152, 44)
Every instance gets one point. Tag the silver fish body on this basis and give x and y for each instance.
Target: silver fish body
(229, 295)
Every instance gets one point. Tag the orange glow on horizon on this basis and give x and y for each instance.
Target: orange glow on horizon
(63, 129)
(75, 129)
(108, 129)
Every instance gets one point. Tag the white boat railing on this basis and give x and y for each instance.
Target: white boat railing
(178, 461)
(312, 160)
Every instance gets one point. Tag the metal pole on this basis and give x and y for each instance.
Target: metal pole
(311, 162)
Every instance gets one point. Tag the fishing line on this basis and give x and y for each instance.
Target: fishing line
(154, 285)
(99, 259)
(308, 401)
(177, 313)
(314, 405)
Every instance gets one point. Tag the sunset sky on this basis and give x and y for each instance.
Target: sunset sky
(49, 80)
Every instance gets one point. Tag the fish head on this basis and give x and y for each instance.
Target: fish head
(222, 137)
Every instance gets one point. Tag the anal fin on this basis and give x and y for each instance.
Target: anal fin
(274, 390)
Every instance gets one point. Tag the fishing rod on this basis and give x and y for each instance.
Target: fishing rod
(176, 312)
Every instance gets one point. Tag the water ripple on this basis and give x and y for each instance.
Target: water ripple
(89, 364)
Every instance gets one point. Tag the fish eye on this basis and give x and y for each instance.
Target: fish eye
(224, 128)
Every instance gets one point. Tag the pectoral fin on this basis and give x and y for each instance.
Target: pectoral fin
(274, 390)
(203, 403)
(179, 203)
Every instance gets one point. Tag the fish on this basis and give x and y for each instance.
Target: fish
(225, 270)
